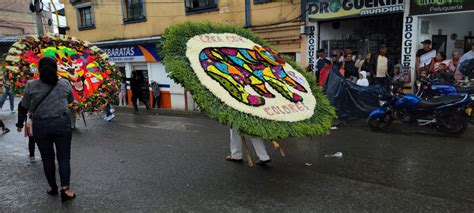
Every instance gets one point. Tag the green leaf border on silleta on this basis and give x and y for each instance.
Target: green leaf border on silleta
(178, 68)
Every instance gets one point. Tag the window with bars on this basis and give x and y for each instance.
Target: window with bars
(85, 17)
(133, 11)
(196, 6)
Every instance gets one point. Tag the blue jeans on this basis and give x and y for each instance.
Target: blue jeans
(53, 132)
(107, 110)
(10, 96)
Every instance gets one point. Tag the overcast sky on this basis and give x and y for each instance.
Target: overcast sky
(62, 19)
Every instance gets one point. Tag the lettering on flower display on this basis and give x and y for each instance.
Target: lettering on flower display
(250, 78)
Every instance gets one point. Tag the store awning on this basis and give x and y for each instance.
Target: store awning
(10, 39)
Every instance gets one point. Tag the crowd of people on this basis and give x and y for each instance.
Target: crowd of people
(378, 69)
(363, 70)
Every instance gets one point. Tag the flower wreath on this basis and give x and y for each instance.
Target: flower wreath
(93, 78)
(216, 71)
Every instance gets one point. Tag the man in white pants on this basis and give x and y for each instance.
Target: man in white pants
(236, 148)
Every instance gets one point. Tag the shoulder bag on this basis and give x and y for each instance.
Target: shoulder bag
(29, 120)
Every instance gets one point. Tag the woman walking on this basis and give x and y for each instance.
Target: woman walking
(46, 100)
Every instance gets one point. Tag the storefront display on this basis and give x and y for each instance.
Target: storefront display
(358, 25)
(142, 58)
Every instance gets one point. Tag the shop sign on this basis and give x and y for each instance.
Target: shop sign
(135, 53)
(311, 46)
(407, 47)
(332, 9)
(418, 7)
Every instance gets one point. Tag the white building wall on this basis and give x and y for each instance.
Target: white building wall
(459, 23)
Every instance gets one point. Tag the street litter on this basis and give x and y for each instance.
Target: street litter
(335, 155)
(308, 164)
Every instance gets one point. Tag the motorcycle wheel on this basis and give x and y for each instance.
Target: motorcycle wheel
(454, 123)
(378, 123)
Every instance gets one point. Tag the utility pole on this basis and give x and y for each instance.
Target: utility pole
(38, 6)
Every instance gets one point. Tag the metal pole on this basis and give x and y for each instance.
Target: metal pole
(57, 15)
(39, 21)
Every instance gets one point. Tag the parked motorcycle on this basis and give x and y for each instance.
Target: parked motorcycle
(447, 113)
(429, 89)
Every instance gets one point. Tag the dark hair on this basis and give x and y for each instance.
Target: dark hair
(48, 68)
(442, 55)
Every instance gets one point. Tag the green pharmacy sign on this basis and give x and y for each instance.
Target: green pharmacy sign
(418, 7)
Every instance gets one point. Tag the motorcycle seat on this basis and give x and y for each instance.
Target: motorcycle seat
(438, 101)
(467, 89)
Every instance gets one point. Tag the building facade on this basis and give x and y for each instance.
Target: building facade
(401, 25)
(16, 20)
(130, 29)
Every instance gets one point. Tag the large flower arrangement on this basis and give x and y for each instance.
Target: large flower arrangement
(93, 78)
(215, 77)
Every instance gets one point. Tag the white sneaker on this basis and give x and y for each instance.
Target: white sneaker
(110, 117)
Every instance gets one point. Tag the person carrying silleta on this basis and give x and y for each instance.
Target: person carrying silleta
(236, 148)
(46, 102)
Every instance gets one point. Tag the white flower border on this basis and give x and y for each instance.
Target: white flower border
(278, 108)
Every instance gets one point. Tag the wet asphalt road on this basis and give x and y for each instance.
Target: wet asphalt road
(147, 163)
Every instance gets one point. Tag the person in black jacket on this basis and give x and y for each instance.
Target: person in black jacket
(136, 87)
(383, 67)
(350, 71)
(367, 66)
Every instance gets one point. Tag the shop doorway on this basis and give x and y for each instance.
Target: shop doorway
(468, 42)
(364, 35)
(142, 72)
(439, 43)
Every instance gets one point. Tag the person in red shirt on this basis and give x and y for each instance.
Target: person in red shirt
(324, 72)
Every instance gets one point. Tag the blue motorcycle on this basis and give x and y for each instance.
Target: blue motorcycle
(446, 113)
(430, 90)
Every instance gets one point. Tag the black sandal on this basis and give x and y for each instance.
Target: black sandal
(65, 197)
(229, 158)
(263, 162)
(53, 191)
